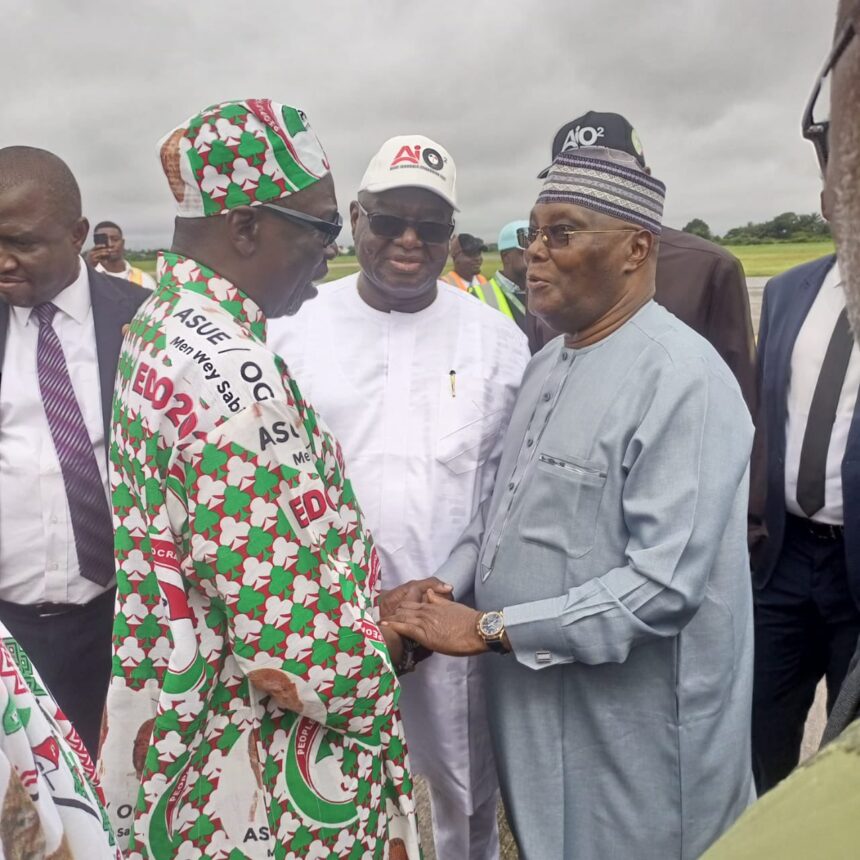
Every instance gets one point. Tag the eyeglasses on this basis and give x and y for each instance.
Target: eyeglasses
(558, 235)
(393, 227)
(816, 118)
(329, 229)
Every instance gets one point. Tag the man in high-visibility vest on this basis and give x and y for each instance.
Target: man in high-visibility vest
(467, 256)
(506, 290)
(108, 256)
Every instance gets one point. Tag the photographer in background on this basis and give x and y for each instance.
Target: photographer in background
(108, 256)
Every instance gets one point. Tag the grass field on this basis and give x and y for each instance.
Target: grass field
(767, 260)
(758, 260)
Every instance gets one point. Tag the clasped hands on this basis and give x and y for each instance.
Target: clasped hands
(424, 611)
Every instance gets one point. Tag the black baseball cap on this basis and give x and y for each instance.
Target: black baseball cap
(470, 244)
(597, 129)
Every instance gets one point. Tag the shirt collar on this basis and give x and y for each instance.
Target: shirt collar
(177, 273)
(122, 274)
(74, 300)
(833, 277)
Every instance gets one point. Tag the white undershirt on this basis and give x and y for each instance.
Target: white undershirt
(806, 360)
(38, 560)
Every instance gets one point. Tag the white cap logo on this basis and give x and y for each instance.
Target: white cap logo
(412, 154)
(582, 136)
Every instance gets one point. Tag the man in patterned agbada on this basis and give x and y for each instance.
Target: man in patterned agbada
(252, 711)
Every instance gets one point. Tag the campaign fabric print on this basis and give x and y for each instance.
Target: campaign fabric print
(252, 711)
(50, 803)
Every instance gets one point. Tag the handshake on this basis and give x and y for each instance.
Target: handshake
(420, 617)
(406, 652)
(414, 591)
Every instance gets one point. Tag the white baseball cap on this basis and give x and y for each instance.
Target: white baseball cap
(412, 161)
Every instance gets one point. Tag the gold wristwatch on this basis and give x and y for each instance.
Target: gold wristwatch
(491, 628)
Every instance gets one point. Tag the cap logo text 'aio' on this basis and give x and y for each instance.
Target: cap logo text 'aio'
(415, 154)
(582, 136)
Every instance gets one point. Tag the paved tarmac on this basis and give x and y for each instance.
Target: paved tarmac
(755, 288)
(814, 725)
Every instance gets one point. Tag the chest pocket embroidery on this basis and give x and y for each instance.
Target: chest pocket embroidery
(561, 505)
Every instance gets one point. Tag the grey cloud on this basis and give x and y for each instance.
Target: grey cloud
(715, 90)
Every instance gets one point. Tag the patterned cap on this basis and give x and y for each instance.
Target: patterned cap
(240, 153)
(607, 181)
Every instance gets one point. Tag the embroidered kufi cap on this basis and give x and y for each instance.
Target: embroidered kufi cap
(240, 153)
(607, 181)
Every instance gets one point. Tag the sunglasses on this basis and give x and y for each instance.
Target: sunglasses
(393, 227)
(329, 229)
(558, 235)
(815, 126)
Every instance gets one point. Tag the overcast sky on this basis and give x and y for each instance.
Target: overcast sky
(715, 89)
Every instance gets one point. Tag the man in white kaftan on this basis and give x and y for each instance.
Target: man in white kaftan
(418, 380)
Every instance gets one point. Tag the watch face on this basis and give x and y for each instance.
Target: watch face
(492, 624)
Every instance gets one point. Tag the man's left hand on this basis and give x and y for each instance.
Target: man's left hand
(413, 591)
(439, 625)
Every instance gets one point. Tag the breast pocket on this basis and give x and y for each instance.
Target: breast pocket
(561, 504)
(470, 422)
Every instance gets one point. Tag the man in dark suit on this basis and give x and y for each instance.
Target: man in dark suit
(814, 813)
(806, 567)
(698, 281)
(60, 335)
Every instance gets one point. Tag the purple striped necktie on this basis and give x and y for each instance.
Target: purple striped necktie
(91, 516)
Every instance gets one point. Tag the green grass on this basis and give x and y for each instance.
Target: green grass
(346, 265)
(343, 266)
(767, 260)
(146, 265)
(758, 260)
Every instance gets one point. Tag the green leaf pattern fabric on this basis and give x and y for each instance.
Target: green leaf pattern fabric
(252, 711)
(50, 801)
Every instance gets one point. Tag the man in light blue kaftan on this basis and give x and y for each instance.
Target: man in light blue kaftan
(609, 569)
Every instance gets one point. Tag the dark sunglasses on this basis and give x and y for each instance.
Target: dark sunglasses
(329, 229)
(393, 227)
(558, 235)
(816, 118)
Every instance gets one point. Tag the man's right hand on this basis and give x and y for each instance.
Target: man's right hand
(414, 591)
(98, 254)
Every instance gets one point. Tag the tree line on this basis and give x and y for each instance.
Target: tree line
(787, 227)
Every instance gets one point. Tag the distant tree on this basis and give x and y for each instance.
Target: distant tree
(786, 227)
(699, 228)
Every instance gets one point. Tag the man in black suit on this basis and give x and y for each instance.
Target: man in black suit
(60, 335)
(806, 570)
(837, 135)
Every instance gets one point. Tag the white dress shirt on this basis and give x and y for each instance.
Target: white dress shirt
(806, 360)
(421, 450)
(38, 559)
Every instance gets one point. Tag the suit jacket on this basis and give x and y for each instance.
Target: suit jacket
(704, 286)
(115, 302)
(787, 300)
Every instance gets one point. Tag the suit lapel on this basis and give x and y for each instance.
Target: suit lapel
(782, 345)
(111, 311)
(851, 473)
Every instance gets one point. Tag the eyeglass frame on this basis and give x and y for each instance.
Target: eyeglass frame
(522, 235)
(408, 222)
(330, 229)
(817, 133)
